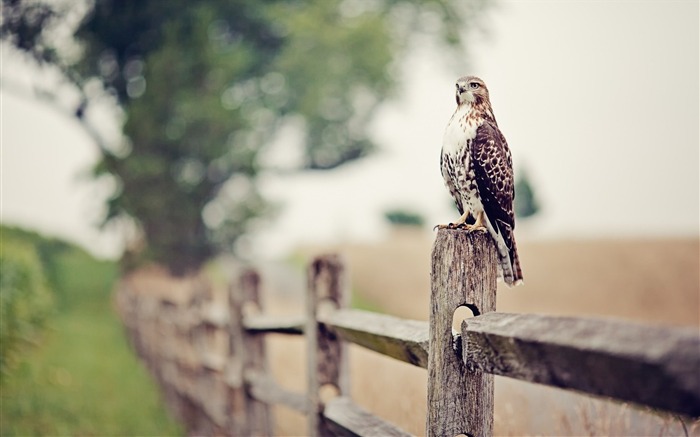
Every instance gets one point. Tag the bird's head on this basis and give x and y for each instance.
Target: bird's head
(471, 89)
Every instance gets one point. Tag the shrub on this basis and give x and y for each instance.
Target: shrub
(25, 300)
(403, 217)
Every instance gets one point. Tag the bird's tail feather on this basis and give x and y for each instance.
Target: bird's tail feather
(508, 260)
(517, 277)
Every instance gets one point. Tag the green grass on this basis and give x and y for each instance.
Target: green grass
(83, 379)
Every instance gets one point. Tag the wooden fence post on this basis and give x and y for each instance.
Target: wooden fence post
(198, 336)
(464, 273)
(247, 355)
(327, 354)
(258, 413)
(234, 366)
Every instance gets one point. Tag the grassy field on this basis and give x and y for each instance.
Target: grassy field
(82, 379)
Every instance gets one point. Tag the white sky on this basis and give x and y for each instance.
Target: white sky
(598, 100)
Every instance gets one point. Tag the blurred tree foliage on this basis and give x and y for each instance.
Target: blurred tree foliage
(404, 217)
(206, 85)
(23, 23)
(526, 204)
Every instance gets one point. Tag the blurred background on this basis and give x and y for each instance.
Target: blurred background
(201, 136)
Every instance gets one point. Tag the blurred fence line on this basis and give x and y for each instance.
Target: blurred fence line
(232, 393)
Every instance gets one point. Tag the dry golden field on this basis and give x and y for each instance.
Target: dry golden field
(650, 281)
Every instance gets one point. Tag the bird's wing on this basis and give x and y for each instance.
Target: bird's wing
(493, 171)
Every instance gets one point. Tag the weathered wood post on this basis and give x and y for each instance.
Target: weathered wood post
(169, 363)
(235, 397)
(326, 353)
(202, 424)
(258, 413)
(246, 354)
(464, 273)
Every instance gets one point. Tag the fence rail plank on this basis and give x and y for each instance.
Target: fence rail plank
(265, 389)
(344, 418)
(277, 324)
(649, 365)
(405, 340)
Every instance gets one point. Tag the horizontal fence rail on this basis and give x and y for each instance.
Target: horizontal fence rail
(405, 340)
(265, 389)
(347, 419)
(228, 389)
(648, 365)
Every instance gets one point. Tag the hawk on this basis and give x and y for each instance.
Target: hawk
(478, 171)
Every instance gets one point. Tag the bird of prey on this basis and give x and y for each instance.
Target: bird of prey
(478, 171)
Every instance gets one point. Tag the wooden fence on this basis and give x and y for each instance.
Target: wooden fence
(652, 366)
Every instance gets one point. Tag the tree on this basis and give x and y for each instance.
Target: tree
(526, 204)
(206, 85)
(402, 217)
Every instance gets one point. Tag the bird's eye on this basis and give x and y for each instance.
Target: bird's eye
(473, 85)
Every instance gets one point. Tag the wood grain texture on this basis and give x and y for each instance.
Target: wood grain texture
(649, 365)
(464, 272)
(327, 356)
(345, 418)
(405, 340)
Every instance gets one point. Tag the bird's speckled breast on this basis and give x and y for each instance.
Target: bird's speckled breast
(457, 168)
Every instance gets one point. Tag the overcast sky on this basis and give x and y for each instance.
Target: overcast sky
(599, 101)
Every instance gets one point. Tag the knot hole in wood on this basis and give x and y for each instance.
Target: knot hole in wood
(462, 313)
(327, 392)
(326, 306)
